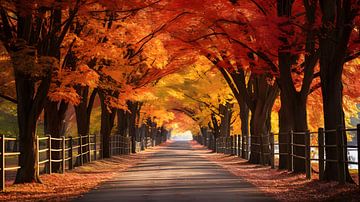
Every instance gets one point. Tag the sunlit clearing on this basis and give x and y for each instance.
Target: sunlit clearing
(185, 136)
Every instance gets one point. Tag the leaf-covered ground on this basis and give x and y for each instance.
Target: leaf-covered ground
(72, 184)
(283, 185)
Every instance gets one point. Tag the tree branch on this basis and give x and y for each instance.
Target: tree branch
(8, 98)
(352, 57)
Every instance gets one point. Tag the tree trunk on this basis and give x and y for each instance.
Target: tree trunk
(134, 108)
(84, 108)
(283, 138)
(55, 126)
(244, 117)
(152, 133)
(284, 9)
(28, 110)
(334, 116)
(122, 123)
(203, 131)
(293, 115)
(83, 111)
(216, 129)
(225, 119)
(260, 149)
(28, 152)
(107, 123)
(142, 133)
(336, 30)
(265, 95)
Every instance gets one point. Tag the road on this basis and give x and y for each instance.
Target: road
(173, 174)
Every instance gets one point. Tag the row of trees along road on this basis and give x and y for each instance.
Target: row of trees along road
(156, 64)
(286, 47)
(68, 53)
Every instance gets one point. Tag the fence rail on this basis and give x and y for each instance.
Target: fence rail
(68, 152)
(295, 151)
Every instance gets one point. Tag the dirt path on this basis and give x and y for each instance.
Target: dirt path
(176, 173)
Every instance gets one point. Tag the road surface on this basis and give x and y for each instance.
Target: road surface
(173, 174)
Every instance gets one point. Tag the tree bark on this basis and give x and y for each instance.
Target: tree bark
(122, 122)
(107, 124)
(260, 128)
(336, 27)
(225, 119)
(134, 108)
(55, 126)
(28, 113)
(84, 109)
(244, 117)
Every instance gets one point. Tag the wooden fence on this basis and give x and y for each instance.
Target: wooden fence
(71, 152)
(241, 146)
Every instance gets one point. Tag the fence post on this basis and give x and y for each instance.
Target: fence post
(111, 145)
(71, 153)
(290, 148)
(50, 154)
(228, 139)
(234, 145)
(238, 145)
(117, 145)
(272, 150)
(81, 150)
(340, 151)
(223, 145)
(307, 155)
(121, 144)
(95, 152)
(242, 146)
(230, 145)
(114, 145)
(244, 150)
(63, 154)
(358, 149)
(208, 140)
(37, 155)
(321, 153)
(130, 145)
(221, 142)
(2, 159)
(89, 148)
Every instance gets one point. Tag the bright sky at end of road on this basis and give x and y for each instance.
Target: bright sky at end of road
(182, 136)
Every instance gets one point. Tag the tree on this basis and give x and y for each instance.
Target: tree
(337, 23)
(34, 56)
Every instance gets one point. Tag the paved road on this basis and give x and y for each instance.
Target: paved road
(176, 173)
